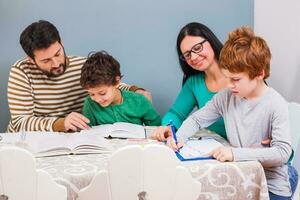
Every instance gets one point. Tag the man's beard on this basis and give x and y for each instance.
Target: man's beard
(53, 72)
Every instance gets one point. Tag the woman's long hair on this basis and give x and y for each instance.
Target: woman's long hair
(196, 29)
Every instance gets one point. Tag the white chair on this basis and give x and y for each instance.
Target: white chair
(136, 172)
(294, 115)
(19, 179)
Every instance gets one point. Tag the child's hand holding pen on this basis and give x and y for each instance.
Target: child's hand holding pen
(170, 142)
(167, 134)
(173, 141)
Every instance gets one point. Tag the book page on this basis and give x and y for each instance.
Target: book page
(38, 142)
(198, 148)
(9, 138)
(101, 130)
(126, 130)
(88, 143)
(118, 130)
(45, 142)
(51, 144)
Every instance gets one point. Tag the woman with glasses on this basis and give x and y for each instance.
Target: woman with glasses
(198, 51)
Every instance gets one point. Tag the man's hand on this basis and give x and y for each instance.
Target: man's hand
(75, 121)
(222, 154)
(145, 93)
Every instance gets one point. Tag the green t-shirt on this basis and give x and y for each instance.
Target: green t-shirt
(194, 93)
(135, 109)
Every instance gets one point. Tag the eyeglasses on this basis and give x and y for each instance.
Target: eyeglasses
(197, 48)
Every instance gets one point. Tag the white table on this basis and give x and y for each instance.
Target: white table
(229, 180)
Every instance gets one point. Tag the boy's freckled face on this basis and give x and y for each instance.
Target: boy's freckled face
(104, 95)
(240, 83)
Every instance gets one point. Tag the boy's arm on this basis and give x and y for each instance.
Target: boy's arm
(202, 118)
(151, 117)
(21, 105)
(182, 107)
(280, 147)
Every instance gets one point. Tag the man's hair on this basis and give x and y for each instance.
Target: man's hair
(38, 35)
(246, 52)
(99, 69)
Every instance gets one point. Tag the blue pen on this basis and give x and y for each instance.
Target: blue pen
(173, 131)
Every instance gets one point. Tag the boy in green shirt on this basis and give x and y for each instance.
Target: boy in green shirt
(106, 104)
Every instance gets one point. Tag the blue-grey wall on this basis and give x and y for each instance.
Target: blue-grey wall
(141, 34)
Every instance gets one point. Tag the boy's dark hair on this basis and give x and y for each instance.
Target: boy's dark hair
(38, 35)
(246, 52)
(196, 29)
(99, 69)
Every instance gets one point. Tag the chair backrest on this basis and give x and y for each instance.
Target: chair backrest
(294, 115)
(19, 179)
(136, 172)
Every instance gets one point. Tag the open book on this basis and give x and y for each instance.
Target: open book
(53, 144)
(197, 149)
(118, 130)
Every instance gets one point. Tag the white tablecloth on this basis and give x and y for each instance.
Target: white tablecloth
(230, 180)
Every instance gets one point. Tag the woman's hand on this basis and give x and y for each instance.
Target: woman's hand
(161, 133)
(266, 142)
